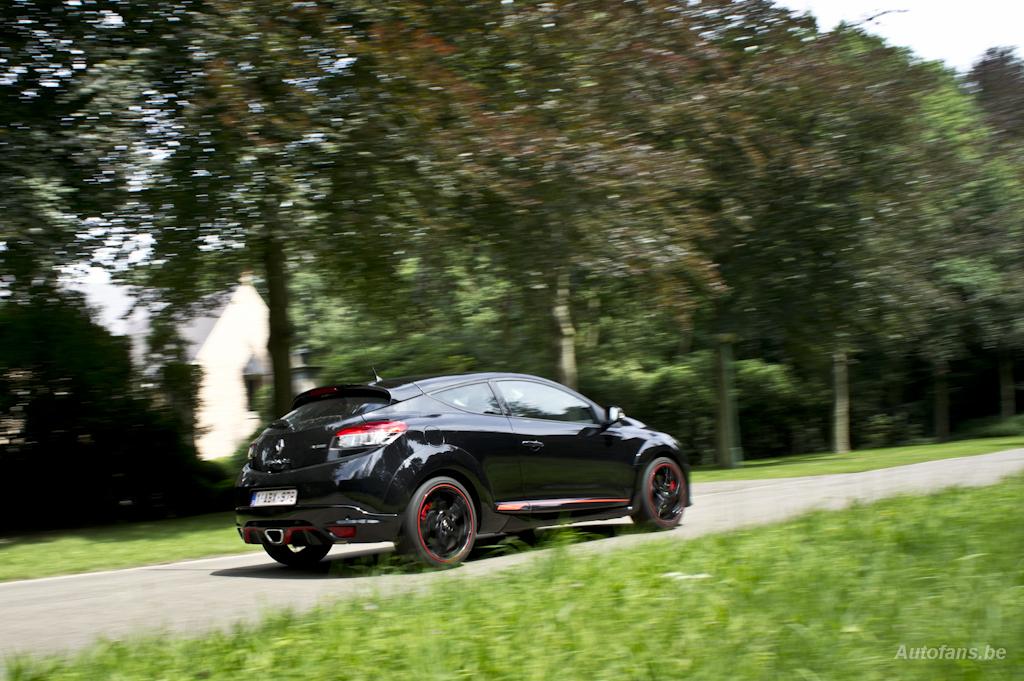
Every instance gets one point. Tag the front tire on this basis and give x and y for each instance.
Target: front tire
(662, 495)
(297, 556)
(439, 524)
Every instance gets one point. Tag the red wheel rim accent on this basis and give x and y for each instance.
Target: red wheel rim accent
(675, 489)
(423, 512)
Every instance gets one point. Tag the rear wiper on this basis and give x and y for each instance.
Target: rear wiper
(280, 423)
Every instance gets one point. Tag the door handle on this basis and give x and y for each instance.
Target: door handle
(533, 445)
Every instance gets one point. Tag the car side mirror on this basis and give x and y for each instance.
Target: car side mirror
(615, 414)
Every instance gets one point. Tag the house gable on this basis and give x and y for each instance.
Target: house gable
(236, 339)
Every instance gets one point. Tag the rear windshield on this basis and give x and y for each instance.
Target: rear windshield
(335, 407)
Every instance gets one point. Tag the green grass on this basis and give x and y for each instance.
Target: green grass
(118, 546)
(831, 595)
(855, 462)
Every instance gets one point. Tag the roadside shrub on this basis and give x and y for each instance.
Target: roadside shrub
(992, 427)
(82, 443)
(778, 414)
(682, 402)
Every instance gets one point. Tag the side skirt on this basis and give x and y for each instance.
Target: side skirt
(557, 506)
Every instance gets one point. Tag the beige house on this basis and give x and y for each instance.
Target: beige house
(229, 344)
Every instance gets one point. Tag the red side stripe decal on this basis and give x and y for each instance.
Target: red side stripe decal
(515, 506)
(547, 503)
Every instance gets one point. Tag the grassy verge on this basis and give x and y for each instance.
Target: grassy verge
(855, 462)
(832, 595)
(118, 546)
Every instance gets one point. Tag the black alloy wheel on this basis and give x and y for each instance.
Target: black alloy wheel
(297, 556)
(662, 495)
(439, 526)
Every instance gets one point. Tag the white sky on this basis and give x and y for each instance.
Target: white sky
(954, 31)
(110, 302)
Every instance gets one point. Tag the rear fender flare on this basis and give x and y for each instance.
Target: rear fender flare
(445, 460)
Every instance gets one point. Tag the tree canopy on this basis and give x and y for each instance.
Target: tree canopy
(610, 193)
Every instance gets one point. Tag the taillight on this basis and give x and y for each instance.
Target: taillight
(368, 435)
(343, 531)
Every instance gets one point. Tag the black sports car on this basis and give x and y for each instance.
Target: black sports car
(430, 463)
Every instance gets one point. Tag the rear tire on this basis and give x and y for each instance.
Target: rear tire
(439, 524)
(297, 556)
(662, 495)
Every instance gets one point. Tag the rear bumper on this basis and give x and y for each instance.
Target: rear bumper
(316, 525)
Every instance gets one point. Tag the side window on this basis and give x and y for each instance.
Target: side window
(476, 397)
(538, 401)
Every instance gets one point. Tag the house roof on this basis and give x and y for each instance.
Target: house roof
(113, 305)
(195, 331)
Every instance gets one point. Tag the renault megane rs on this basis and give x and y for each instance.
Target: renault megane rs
(431, 463)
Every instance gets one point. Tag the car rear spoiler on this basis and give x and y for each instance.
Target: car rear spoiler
(341, 391)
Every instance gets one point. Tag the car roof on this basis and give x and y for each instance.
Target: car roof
(404, 388)
(431, 383)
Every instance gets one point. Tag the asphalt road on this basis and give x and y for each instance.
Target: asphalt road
(61, 614)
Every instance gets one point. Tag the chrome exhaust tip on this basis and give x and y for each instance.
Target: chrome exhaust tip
(274, 536)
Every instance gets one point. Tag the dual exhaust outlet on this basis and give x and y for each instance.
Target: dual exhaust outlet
(278, 536)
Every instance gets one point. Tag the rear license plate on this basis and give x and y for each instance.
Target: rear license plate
(275, 497)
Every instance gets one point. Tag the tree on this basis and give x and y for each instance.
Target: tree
(62, 71)
(807, 164)
(282, 146)
(72, 413)
(997, 82)
(550, 176)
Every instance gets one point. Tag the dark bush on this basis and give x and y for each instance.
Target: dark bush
(82, 442)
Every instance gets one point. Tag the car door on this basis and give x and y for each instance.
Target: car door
(478, 425)
(568, 460)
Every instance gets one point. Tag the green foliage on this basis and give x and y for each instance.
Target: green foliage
(783, 414)
(481, 185)
(64, 155)
(682, 403)
(77, 427)
(811, 598)
(779, 413)
(880, 430)
(178, 387)
(992, 427)
(998, 83)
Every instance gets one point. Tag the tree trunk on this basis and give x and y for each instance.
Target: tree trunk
(592, 337)
(840, 403)
(941, 404)
(566, 332)
(730, 454)
(1007, 388)
(280, 340)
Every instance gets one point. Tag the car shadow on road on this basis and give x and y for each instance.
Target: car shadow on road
(377, 561)
(362, 563)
